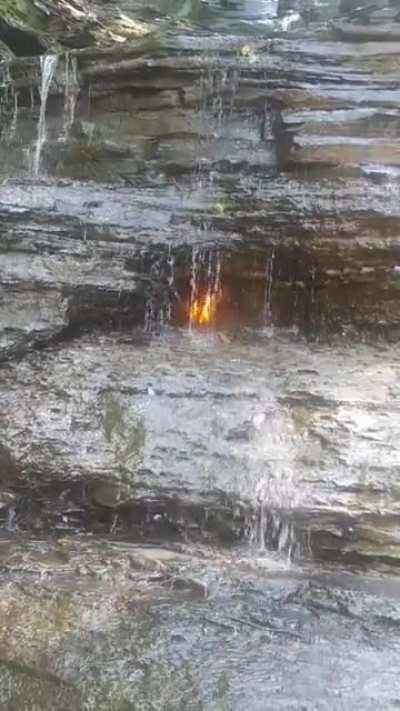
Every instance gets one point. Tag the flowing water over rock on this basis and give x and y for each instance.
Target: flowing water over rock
(199, 363)
(48, 66)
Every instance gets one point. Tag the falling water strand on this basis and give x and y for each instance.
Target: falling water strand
(67, 87)
(149, 316)
(171, 282)
(220, 84)
(158, 309)
(217, 279)
(193, 285)
(214, 88)
(209, 285)
(234, 86)
(48, 65)
(269, 276)
(261, 525)
(312, 297)
(204, 137)
(271, 528)
(7, 98)
(151, 312)
(71, 91)
(6, 85)
(277, 442)
(11, 524)
(14, 122)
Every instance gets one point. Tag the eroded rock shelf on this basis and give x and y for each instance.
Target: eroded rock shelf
(258, 172)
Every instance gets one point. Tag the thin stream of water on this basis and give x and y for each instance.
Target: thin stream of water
(71, 91)
(48, 66)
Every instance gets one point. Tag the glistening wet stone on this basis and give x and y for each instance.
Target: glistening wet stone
(196, 430)
(195, 159)
(199, 321)
(113, 641)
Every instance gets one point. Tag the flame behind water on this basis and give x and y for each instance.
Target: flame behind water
(203, 311)
(206, 291)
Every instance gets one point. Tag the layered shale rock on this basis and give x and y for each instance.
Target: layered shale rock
(150, 185)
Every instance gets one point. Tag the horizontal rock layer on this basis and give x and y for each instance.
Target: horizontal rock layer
(259, 173)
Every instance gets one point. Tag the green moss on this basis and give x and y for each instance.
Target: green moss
(23, 11)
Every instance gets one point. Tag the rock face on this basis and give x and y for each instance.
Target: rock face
(83, 622)
(167, 175)
(116, 432)
(199, 364)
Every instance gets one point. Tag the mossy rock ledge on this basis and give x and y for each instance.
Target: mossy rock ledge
(30, 28)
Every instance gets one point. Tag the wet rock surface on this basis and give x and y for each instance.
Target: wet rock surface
(254, 177)
(115, 626)
(199, 366)
(104, 425)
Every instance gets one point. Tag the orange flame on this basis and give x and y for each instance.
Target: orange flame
(202, 312)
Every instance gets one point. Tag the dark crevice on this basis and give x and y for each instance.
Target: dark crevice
(89, 310)
(21, 42)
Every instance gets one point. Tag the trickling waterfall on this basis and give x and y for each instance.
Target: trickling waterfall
(152, 316)
(218, 89)
(8, 103)
(158, 310)
(198, 309)
(14, 121)
(9, 98)
(271, 530)
(6, 84)
(48, 65)
(269, 276)
(71, 90)
(193, 283)
(276, 441)
(171, 281)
